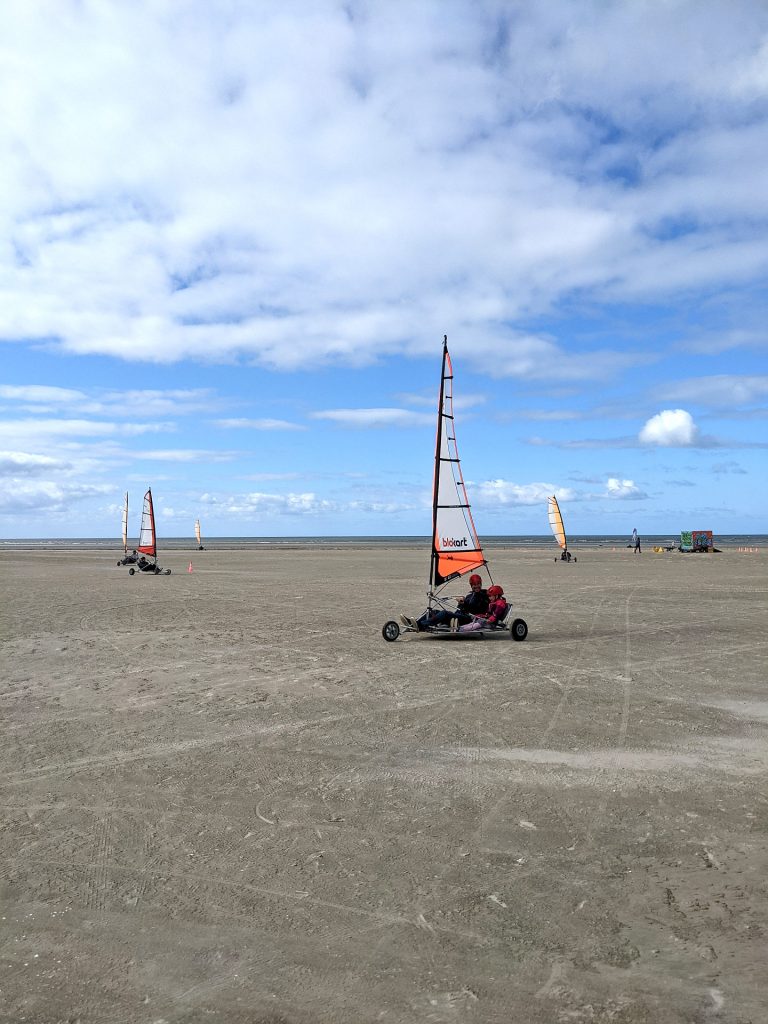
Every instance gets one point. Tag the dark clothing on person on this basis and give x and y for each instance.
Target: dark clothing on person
(475, 603)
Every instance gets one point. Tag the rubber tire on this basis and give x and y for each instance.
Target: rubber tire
(131, 572)
(167, 572)
(390, 631)
(519, 629)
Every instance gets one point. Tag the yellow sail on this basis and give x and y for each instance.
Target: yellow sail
(197, 530)
(556, 521)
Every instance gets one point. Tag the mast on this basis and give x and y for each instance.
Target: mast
(434, 575)
(125, 524)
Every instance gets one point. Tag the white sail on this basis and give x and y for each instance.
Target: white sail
(147, 538)
(455, 546)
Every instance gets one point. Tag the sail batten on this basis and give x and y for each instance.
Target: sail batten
(456, 548)
(147, 538)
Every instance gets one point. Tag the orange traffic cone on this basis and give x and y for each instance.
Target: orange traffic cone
(189, 567)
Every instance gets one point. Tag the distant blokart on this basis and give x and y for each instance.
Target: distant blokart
(556, 522)
(144, 557)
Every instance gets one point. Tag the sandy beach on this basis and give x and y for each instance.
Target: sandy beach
(225, 797)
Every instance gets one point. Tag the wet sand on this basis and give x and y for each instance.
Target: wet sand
(226, 797)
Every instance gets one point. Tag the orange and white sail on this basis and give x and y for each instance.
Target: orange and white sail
(147, 537)
(455, 546)
(197, 531)
(125, 524)
(556, 522)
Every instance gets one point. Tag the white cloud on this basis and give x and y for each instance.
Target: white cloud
(39, 394)
(21, 497)
(185, 455)
(264, 504)
(258, 424)
(670, 428)
(616, 488)
(133, 402)
(41, 431)
(504, 492)
(27, 464)
(322, 186)
(720, 390)
(370, 418)
(427, 400)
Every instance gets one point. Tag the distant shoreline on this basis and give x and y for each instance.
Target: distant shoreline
(489, 542)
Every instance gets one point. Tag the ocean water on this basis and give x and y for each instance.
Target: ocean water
(726, 541)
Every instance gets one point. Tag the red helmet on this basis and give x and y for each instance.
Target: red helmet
(474, 579)
(495, 591)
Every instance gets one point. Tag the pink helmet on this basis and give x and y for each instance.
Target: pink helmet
(495, 591)
(474, 579)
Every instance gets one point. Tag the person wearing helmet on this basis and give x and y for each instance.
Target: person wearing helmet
(475, 603)
(497, 610)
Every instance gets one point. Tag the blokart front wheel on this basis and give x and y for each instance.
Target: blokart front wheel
(167, 572)
(390, 631)
(131, 571)
(519, 629)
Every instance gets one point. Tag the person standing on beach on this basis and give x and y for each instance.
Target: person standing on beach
(636, 543)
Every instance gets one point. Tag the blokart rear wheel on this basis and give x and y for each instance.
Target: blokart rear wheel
(519, 629)
(131, 571)
(390, 631)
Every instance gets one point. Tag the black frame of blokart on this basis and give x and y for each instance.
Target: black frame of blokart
(153, 569)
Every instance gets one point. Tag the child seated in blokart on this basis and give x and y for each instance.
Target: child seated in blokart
(497, 610)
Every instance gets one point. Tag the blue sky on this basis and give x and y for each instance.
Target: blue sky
(234, 235)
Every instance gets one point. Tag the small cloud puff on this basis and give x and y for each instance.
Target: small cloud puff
(616, 488)
(670, 428)
(374, 418)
